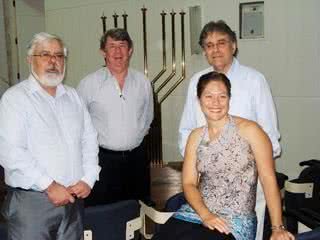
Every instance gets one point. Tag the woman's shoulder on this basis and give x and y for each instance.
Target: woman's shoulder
(193, 140)
(243, 123)
(195, 135)
(197, 132)
(247, 128)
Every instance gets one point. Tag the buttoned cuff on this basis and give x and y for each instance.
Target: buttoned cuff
(43, 183)
(91, 177)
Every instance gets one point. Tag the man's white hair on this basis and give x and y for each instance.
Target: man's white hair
(41, 37)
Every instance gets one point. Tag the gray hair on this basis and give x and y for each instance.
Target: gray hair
(41, 37)
(220, 27)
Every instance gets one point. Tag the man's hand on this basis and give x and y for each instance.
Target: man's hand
(80, 189)
(59, 194)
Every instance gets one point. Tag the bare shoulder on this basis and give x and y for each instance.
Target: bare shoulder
(244, 124)
(248, 129)
(195, 134)
(192, 142)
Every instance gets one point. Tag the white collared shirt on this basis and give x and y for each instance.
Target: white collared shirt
(250, 98)
(122, 118)
(45, 138)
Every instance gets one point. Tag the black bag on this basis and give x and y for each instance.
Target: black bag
(302, 197)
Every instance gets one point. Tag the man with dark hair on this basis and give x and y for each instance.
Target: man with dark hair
(120, 102)
(117, 34)
(250, 94)
(48, 148)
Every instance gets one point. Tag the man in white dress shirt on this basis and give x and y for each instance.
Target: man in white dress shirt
(250, 95)
(48, 148)
(120, 102)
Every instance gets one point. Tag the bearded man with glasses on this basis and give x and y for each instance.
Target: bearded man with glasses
(48, 148)
(251, 95)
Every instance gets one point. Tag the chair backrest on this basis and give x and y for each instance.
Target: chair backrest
(310, 179)
(109, 221)
(312, 235)
(302, 197)
(3, 231)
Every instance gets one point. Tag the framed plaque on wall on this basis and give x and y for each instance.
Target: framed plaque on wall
(251, 20)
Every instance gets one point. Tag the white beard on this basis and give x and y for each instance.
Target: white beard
(49, 79)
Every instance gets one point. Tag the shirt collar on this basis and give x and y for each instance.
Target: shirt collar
(108, 74)
(234, 65)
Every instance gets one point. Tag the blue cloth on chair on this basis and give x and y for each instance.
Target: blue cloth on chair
(312, 235)
(3, 231)
(175, 202)
(109, 221)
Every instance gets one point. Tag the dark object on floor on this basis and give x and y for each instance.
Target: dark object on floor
(109, 221)
(175, 202)
(149, 202)
(312, 235)
(3, 231)
(302, 197)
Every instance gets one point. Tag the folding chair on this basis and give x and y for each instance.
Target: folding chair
(311, 235)
(302, 197)
(109, 221)
(139, 223)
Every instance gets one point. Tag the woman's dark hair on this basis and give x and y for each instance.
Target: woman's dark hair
(213, 76)
(221, 27)
(118, 34)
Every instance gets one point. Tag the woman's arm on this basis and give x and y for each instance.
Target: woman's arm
(190, 186)
(262, 150)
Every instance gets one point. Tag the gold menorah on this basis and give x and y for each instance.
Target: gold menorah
(154, 138)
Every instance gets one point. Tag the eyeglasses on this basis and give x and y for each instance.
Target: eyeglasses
(219, 45)
(47, 56)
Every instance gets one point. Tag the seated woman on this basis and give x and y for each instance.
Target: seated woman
(222, 162)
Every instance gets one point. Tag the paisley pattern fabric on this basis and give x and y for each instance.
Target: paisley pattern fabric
(228, 181)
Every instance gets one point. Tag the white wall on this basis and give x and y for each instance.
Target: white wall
(4, 77)
(24, 20)
(288, 56)
(30, 20)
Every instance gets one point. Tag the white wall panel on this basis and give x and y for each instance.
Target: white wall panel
(299, 124)
(30, 20)
(4, 78)
(288, 56)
